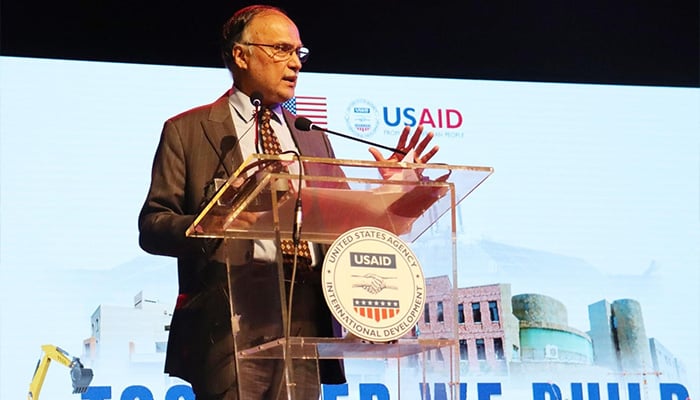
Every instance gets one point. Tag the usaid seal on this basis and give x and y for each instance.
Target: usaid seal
(373, 284)
(362, 118)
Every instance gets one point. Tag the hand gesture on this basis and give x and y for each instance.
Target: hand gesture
(415, 144)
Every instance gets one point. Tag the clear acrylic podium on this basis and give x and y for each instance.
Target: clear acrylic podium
(338, 195)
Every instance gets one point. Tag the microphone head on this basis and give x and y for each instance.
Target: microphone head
(256, 98)
(303, 124)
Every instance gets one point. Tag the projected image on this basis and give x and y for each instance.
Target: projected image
(576, 259)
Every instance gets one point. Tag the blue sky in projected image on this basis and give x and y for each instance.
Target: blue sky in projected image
(605, 174)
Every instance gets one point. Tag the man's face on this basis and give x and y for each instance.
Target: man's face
(269, 70)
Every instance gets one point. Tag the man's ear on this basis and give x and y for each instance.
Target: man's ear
(240, 57)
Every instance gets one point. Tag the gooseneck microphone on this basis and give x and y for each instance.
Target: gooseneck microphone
(305, 124)
(256, 100)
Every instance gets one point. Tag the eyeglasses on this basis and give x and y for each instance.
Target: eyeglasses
(283, 51)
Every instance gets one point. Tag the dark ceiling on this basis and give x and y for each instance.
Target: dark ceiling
(631, 42)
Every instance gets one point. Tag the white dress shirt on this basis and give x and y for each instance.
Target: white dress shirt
(243, 113)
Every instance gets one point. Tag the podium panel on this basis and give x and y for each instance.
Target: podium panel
(338, 196)
(334, 195)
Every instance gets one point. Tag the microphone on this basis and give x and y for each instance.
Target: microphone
(305, 124)
(256, 99)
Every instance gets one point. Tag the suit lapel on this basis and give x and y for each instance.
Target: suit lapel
(221, 134)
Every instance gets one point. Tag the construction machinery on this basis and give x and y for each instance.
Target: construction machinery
(80, 376)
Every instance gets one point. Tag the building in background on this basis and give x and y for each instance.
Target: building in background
(128, 344)
(549, 346)
(487, 329)
(620, 343)
(524, 338)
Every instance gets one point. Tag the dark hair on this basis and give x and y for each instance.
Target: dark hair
(232, 30)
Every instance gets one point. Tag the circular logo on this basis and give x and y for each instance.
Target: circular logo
(362, 118)
(373, 284)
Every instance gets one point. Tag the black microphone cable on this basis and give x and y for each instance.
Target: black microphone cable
(296, 238)
(305, 124)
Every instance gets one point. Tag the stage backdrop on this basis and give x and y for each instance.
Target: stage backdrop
(578, 258)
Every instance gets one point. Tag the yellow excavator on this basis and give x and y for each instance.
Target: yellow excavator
(80, 376)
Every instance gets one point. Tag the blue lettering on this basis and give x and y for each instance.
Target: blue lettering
(137, 392)
(614, 391)
(634, 391)
(668, 390)
(97, 393)
(378, 391)
(577, 391)
(331, 392)
(485, 390)
(179, 392)
(439, 389)
(373, 391)
(424, 390)
(410, 119)
(386, 117)
(447, 118)
(408, 114)
(539, 390)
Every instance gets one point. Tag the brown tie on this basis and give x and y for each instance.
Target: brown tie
(271, 145)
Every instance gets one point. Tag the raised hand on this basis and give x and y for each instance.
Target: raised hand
(405, 145)
(416, 144)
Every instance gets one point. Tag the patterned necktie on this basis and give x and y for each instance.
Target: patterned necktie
(271, 145)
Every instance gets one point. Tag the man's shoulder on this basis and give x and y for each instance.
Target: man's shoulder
(202, 111)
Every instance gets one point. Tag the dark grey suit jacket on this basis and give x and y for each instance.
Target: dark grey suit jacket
(196, 147)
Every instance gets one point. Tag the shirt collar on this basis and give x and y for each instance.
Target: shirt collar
(245, 110)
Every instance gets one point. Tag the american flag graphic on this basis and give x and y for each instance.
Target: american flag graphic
(314, 108)
(376, 309)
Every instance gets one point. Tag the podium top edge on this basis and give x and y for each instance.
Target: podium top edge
(367, 163)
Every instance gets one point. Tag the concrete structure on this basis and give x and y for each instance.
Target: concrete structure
(620, 343)
(545, 334)
(601, 334)
(631, 337)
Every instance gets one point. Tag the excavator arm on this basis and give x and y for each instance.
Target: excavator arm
(80, 376)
